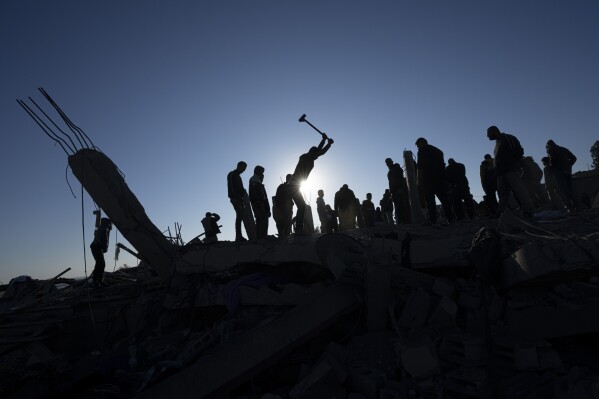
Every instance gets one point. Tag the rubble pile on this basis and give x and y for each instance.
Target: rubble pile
(493, 308)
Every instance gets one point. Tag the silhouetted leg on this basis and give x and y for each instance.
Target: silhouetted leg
(98, 254)
(239, 211)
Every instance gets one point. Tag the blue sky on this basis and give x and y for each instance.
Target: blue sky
(176, 92)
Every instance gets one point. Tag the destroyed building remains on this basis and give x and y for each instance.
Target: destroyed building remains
(488, 308)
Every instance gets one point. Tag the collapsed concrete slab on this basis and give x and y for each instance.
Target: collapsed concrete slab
(215, 373)
(105, 184)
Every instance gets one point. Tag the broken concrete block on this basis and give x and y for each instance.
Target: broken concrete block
(444, 313)
(470, 382)
(523, 354)
(468, 301)
(376, 349)
(365, 379)
(415, 310)
(443, 287)
(378, 287)
(464, 349)
(418, 356)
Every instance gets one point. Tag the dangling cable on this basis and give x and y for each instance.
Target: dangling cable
(66, 175)
(30, 113)
(59, 129)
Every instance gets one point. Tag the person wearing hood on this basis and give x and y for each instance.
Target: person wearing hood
(259, 201)
(99, 247)
(302, 171)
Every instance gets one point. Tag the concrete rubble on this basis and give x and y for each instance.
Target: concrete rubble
(488, 308)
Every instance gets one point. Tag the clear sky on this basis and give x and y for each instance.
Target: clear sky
(176, 92)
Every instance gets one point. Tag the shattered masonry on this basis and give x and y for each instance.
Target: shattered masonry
(482, 309)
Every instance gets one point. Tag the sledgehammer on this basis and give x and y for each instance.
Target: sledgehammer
(303, 119)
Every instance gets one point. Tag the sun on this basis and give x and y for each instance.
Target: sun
(309, 189)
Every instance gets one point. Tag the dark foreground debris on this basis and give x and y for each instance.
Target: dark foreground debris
(486, 309)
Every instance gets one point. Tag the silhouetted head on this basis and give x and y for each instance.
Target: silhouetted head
(241, 166)
(105, 222)
(450, 161)
(368, 196)
(421, 142)
(493, 132)
(259, 170)
(208, 214)
(345, 186)
(288, 178)
(320, 193)
(389, 162)
(487, 157)
(550, 144)
(546, 161)
(387, 191)
(313, 150)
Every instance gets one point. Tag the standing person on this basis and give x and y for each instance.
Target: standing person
(99, 247)
(283, 208)
(455, 173)
(488, 180)
(551, 185)
(562, 161)
(378, 215)
(211, 229)
(532, 174)
(345, 200)
(302, 171)
(431, 179)
(398, 188)
(333, 225)
(322, 212)
(508, 154)
(259, 201)
(387, 207)
(236, 194)
(368, 212)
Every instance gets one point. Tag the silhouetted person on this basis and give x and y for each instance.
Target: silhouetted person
(378, 215)
(211, 229)
(99, 247)
(386, 204)
(283, 208)
(322, 212)
(300, 175)
(236, 195)
(431, 179)
(455, 174)
(532, 174)
(332, 224)
(508, 154)
(345, 201)
(359, 218)
(368, 211)
(399, 191)
(488, 180)
(551, 188)
(562, 161)
(259, 201)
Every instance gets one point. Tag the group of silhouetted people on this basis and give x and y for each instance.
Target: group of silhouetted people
(508, 178)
